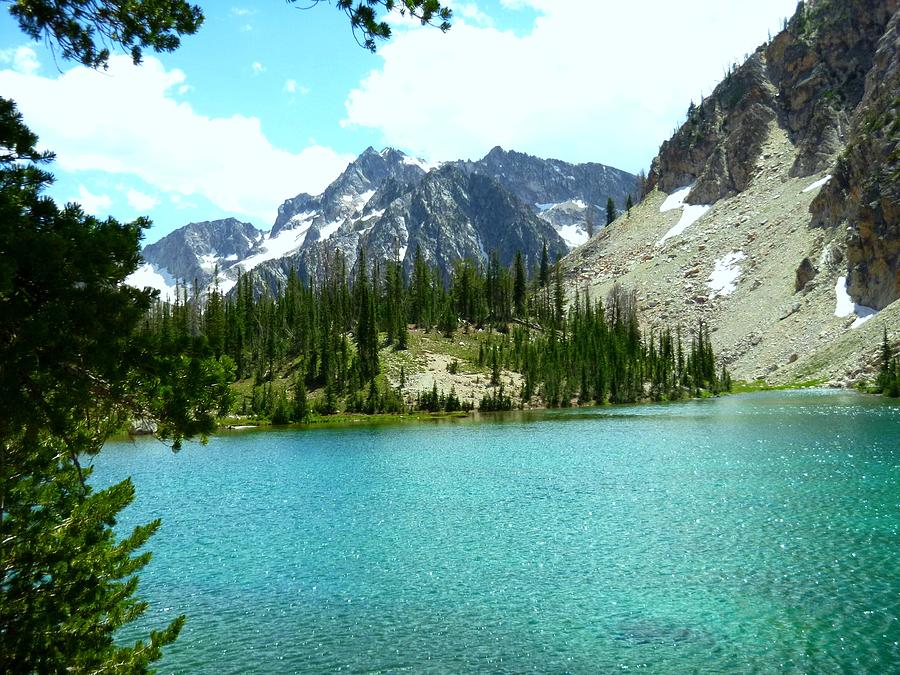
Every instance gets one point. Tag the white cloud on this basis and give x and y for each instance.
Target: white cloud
(257, 68)
(291, 87)
(22, 59)
(96, 205)
(143, 131)
(469, 12)
(181, 203)
(140, 201)
(242, 11)
(589, 81)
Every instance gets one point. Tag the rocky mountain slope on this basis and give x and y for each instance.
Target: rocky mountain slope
(566, 195)
(448, 216)
(774, 211)
(196, 251)
(392, 204)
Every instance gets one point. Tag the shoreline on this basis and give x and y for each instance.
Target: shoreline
(349, 420)
(362, 419)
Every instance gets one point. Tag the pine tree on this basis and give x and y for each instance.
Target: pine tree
(366, 330)
(448, 321)
(519, 286)
(300, 408)
(628, 206)
(610, 211)
(558, 295)
(888, 381)
(544, 274)
(66, 584)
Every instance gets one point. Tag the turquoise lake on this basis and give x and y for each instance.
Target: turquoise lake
(752, 533)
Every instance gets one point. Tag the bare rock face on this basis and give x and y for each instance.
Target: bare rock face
(195, 250)
(536, 181)
(806, 272)
(810, 78)
(449, 215)
(864, 192)
(831, 80)
(717, 147)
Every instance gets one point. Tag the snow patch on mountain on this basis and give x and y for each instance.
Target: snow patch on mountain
(225, 285)
(329, 229)
(421, 163)
(301, 219)
(373, 214)
(819, 183)
(282, 244)
(845, 305)
(690, 213)
(573, 235)
(147, 276)
(676, 199)
(209, 261)
(723, 279)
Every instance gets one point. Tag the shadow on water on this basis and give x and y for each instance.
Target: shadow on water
(645, 631)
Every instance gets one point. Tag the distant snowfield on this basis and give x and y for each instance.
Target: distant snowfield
(725, 274)
(226, 285)
(422, 164)
(819, 183)
(845, 305)
(572, 235)
(282, 244)
(377, 213)
(690, 213)
(147, 276)
(575, 234)
(329, 229)
(209, 261)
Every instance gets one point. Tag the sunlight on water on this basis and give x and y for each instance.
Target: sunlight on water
(751, 533)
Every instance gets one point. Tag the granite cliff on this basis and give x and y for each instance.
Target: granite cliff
(772, 213)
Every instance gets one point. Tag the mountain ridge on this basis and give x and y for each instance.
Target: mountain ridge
(379, 201)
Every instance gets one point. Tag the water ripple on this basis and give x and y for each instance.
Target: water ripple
(752, 533)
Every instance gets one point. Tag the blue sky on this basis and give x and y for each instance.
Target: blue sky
(269, 100)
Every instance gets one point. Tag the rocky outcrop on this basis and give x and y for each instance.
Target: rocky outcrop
(831, 80)
(349, 192)
(806, 272)
(538, 182)
(196, 250)
(864, 191)
(716, 148)
(810, 78)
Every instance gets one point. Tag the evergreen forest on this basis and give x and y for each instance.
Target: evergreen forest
(317, 346)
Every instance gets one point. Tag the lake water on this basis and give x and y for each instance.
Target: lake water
(753, 533)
